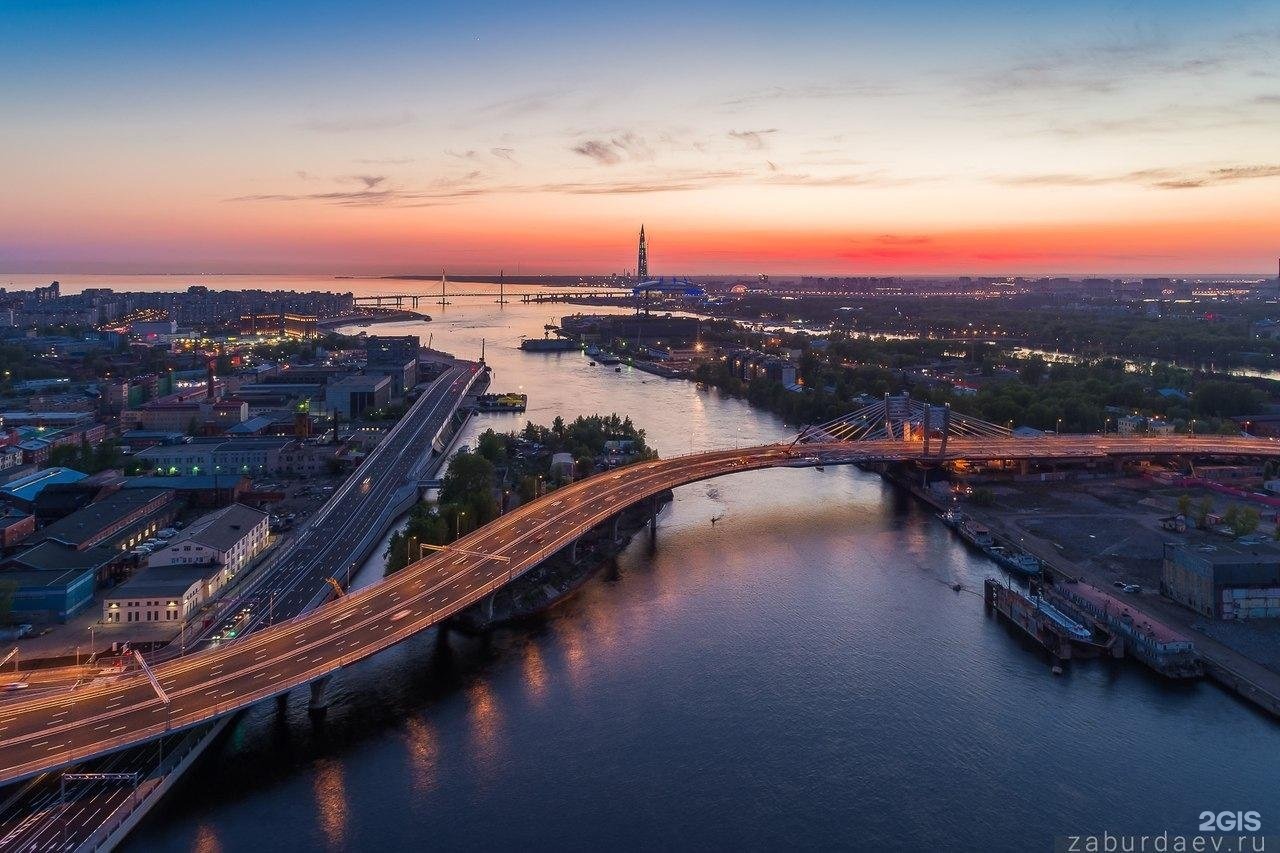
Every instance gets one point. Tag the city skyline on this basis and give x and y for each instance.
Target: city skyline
(841, 140)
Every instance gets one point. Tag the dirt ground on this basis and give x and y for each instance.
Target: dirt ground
(1111, 529)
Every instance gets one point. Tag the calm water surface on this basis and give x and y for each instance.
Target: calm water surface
(798, 674)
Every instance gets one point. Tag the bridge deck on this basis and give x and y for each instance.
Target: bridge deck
(43, 733)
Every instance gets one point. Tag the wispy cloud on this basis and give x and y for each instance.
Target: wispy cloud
(673, 182)
(369, 181)
(753, 139)
(864, 179)
(530, 103)
(822, 92)
(601, 152)
(385, 161)
(508, 154)
(354, 124)
(610, 152)
(472, 184)
(1157, 178)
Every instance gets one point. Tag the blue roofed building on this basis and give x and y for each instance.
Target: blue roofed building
(23, 491)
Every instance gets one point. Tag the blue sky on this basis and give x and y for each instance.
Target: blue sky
(397, 133)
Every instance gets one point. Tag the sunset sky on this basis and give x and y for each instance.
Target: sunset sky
(841, 137)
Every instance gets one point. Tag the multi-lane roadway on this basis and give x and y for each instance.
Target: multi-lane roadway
(34, 818)
(48, 732)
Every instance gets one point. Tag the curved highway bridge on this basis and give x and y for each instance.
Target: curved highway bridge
(41, 734)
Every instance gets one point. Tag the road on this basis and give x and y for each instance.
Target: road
(47, 732)
(32, 818)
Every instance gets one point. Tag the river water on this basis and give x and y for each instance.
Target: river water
(799, 674)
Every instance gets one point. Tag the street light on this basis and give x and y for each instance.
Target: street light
(92, 644)
(457, 523)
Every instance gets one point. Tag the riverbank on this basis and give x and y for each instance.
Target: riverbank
(365, 318)
(558, 578)
(1232, 669)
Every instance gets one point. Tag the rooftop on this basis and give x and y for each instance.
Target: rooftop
(183, 483)
(50, 556)
(47, 579)
(1222, 552)
(87, 522)
(163, 581)
(26, 488)
(222, 529)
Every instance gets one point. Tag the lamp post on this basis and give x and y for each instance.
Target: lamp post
(92, 645)
(457, 523)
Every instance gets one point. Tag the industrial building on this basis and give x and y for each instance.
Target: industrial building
(353, 396)
(1224, 580)
(191, 570)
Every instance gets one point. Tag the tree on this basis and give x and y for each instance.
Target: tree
(1203, 508)
(1184, 505)
(1246, 521)
(1033, 370)
(492, 446)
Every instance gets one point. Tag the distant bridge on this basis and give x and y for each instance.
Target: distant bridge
(413, 300)
(55, 730)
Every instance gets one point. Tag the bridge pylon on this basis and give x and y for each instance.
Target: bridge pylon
(900, 418)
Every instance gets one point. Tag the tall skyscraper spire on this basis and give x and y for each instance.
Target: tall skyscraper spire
(642, 262)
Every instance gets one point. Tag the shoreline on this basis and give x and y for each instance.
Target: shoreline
(556, 579)
(1235, 672)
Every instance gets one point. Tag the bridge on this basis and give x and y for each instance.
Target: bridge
(40, 734)
(399, 300)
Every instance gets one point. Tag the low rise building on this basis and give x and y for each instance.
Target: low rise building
(1232, 581)
(23, 491)
(156, 595)
(230, 538)
(120, 521)
(49, 596)
(352, 396)
(15, 526)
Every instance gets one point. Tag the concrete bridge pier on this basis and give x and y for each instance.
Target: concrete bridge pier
(613, 529)
(573, 552)
(318, 704)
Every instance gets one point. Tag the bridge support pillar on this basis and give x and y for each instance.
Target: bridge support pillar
(318, 702)
(1024, 467)
(573, 552)
(613, 530)
(282, 702)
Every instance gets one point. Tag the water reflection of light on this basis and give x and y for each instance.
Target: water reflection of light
(535, 672)
(575, 654)
(486, 728)
(331, 801)
(206, 840)
(424, 751)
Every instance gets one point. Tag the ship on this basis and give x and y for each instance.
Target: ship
(1061, 631)
(1015, 561)
(549, 345)
(975, 534)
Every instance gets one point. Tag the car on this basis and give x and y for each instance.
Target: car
(167, 533)
(15, 686)
(1119, 584)
(1132, 588)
